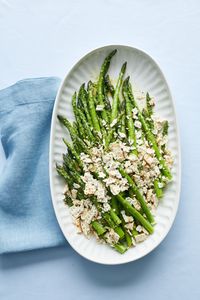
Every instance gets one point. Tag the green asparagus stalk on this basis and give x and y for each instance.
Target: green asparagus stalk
(73, 151)
(122, 128)
(115, 217)
(135, 213)
(148, 120)
(115, 205)
(148, 105)
(74, 105)
(106, 216)
(165, 128)
(120, 232)
(158, 190)
(128, 238)
(67, 124)
(127, 235)
(150, 137)
(88, 132)
(110, 88)
(101, 81)
(129, 118)
(83, 99)
(120, 248)
(62, 172)
(98, 227)
(112, 224)
(68, 201)
(82, 134)
(138, 196)
(75, 139)
(134, 232)
(148, 112)
(75, 126)
(115, 104)
(92, 109)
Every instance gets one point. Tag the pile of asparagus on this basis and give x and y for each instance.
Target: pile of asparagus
(98, 121)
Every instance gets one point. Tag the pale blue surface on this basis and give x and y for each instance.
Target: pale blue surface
(40, 40)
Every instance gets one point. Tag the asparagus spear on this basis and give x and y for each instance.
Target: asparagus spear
(100, 230)
(63, 173)
(138, 196)
(150, 137)
(112, 224)
(129, 118)
(147, 112)
(115, 104)
(68, 201)
(114, 205)
(120, 248)
(75, 126)
(87, 130)
(83, 99)
(107, 100)
(115, 217)
(73, 151)
(158, 190)
(67, 124)
(120, 232)
(122, 127)
(92, 109)
(165, 128)
(98, 227)
(148, 105)
(74, 105)
(135, 213)
(148, 120)
(75, 138)
(128, 238)
(109, 85)
(106, 216)
(81, 130)
(100, 86)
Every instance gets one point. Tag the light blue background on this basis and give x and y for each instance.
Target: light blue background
(41, 38)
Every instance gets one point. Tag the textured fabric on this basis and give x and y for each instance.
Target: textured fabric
(27, 219)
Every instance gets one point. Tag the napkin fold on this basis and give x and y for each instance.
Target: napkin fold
(27, 219)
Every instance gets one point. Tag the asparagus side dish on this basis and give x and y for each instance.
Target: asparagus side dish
(117, 164)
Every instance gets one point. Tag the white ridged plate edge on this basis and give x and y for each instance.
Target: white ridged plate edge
(147, 76)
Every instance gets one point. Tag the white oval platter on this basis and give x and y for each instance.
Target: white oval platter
(147, 76)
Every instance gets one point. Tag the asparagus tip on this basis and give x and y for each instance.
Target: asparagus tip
(124, 67)
(82, 86)
(113, 52)
(58, 167)
(64, 156)
(64, 140)
(89, 84)
(125, 83)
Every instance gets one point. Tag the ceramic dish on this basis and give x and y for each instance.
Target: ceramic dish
(146, 76)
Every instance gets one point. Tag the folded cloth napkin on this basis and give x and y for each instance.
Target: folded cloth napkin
(27, 219)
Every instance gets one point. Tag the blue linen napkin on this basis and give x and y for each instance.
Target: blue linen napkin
(27, 219)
